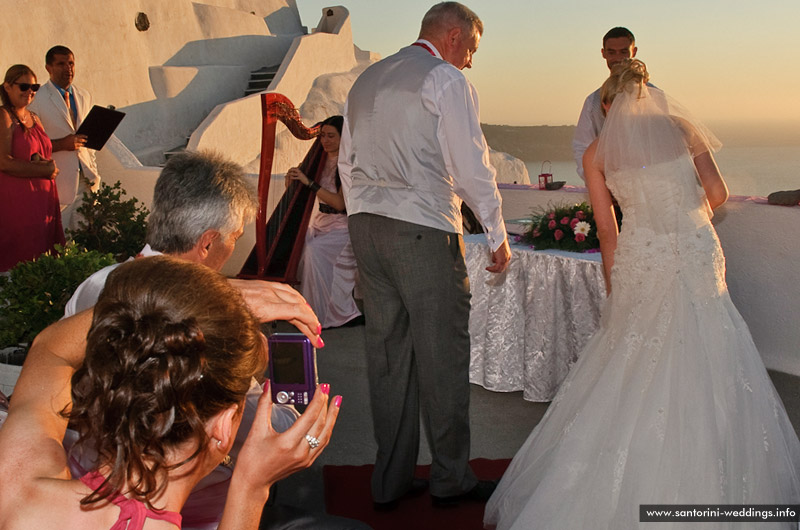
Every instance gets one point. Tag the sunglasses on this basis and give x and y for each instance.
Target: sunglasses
(24, 87)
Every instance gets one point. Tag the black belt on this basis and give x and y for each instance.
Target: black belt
(324, 208)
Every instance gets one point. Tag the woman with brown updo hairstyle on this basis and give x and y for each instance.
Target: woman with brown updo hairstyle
(156, 389)
(30, 215)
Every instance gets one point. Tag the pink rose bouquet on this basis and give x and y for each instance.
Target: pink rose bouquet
(565, 227)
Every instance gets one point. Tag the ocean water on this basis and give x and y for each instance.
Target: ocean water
(755, 170)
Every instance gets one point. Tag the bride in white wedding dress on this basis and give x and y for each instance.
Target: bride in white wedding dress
(669, 403)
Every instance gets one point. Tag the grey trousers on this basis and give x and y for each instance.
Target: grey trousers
(416, 305)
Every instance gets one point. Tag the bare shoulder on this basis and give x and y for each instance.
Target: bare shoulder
(588, 155)
(46, 503)
(36, 119)
(589, 162)
(28, 455)
(5, 117)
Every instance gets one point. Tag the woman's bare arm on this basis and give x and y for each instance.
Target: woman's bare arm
(711, 179)
(603, 207)
(332, 199)
(30, 440)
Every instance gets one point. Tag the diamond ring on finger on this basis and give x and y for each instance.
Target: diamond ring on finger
(312, 441)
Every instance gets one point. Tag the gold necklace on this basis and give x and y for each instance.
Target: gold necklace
(26, 119)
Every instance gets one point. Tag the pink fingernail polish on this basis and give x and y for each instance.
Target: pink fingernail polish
(265, 386)
(325, 388)
(321, 343)
(319, 329)
(337, 401)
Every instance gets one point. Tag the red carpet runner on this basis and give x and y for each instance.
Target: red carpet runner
(347, 494)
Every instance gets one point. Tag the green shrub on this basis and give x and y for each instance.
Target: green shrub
(109, 224)
(34, 294)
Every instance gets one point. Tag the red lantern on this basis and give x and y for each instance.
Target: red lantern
(546, 178)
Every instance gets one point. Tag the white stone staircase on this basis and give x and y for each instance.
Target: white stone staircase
(259, 82)
(260, 79)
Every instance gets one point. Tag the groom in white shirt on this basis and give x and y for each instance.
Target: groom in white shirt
(618, 44)
(411, 149)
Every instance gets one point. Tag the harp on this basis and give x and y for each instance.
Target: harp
(279, 240)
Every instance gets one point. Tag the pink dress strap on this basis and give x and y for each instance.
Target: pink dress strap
(133, 513)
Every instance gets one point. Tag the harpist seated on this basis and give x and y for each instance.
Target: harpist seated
(327, 269)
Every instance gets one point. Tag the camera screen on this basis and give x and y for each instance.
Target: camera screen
(287, 363)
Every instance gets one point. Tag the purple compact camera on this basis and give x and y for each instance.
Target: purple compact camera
(292, 368)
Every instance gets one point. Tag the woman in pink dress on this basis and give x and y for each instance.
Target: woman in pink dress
(30, 216)
(154, 380)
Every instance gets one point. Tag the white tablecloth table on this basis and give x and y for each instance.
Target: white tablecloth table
(528, 324)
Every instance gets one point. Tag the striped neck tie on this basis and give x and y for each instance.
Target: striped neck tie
(69, 107)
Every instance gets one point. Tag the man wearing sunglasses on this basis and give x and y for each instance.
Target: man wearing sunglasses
(61, 107)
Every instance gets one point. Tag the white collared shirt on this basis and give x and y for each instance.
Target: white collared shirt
(590, 123)
(447, 94)
(87, 293)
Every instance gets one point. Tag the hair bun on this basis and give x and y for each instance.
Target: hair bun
(639, 69)
(142, 342)
(172, 337)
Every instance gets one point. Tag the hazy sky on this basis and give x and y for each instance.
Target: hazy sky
(726, 60)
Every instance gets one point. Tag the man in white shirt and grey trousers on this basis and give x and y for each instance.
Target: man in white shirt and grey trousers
(411, 149)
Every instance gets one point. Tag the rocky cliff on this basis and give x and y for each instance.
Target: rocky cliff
(537, 142)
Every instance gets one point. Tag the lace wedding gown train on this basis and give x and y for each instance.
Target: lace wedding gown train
(669, 403)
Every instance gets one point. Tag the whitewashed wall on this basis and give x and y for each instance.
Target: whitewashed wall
(115, 61)
(235, 127)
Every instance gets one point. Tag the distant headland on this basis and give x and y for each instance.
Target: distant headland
(533, 142)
